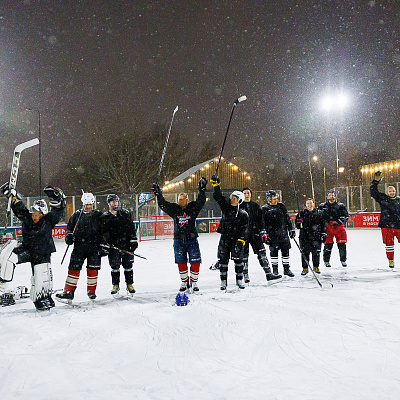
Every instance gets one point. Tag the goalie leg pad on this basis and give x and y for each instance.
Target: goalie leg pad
(8, 259)
(42, 283)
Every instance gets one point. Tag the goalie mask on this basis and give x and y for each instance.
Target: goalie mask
(39, 206)
(239, 195)
(87, 198)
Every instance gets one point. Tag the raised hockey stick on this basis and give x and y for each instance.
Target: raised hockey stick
(165, 146)
(321, 285)
(107, 246)
(14, 172)
(237, 101)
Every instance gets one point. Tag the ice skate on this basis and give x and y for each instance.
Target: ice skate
(246, 278)
(275, 270)
(327, 264)
(344, 263)
(240, 283)
(184, 286)
(130, 288)
(391, 263)
(288, 272)
(115, 289)
(91, 295)
(195, 288)
(223, 284)
(316, 270)
(304, 272)
(65, 295)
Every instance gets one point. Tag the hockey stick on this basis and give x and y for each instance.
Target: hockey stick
(165, 146)
(321, 285)
(66, 251)
(237, 101)
(294, 183)
(106, 246)
(14, 172)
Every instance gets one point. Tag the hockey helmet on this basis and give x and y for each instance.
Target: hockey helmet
(331, 191)
(239, 195)
(271, 193)
(87, 198)
(112, 197)
(39, 206)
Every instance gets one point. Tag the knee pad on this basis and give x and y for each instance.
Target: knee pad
(42, 282)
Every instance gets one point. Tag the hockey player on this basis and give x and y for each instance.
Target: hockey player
(335, 216)
(278, 228)
(186, 243)
(83, 231)
(233, 228)
(255, 237)
(389, 221)
(311, 223)
(118, 230)
(37, 240)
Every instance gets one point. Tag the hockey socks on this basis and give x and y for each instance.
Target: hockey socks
(194, 272)
(72, 280)
(92, 275)
(183, 272)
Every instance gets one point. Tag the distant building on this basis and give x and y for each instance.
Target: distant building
(390, 171)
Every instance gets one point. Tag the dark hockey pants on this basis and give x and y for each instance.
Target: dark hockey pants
(328, 251)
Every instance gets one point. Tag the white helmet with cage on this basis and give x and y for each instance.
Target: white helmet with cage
(39, 206)
(87, 198)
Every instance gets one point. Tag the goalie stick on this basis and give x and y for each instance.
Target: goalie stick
(14, 172)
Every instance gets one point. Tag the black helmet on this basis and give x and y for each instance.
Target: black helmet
(112, 197)
(331, 191)
(271, 193)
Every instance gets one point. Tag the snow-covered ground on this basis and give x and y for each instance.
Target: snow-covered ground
(287, 340)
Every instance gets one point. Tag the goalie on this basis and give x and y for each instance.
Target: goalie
(37, 242)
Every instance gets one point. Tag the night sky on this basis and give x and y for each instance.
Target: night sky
(80, 60)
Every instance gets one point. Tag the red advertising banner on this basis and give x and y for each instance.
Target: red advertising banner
(364, 220)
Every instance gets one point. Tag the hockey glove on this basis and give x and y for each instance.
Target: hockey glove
(292, 234)
(239, 245)
(323, 237)
(103, 250)
(156, 189)
(69, 238)
(133, 245)
(341, 220)
(202, 184)
(215, 181)
(5, 188)
(56, 195)
(378, 176)
(299, 223)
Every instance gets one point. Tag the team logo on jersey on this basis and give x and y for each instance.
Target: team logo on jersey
(183, 220)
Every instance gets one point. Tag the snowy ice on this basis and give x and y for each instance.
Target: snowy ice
(286, 340)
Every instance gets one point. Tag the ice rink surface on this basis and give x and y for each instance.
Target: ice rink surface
(286, 340)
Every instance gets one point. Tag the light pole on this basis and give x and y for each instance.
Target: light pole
(315, 158)
(40, 150)
(336, 103)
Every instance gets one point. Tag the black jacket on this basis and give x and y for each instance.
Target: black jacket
(184, 219)
(390, 208)
(118, 230)
(334, 212)
(87, 231)
(234, 222)
(255, 216)
(276, 222)
(38, 238)
(311, 224)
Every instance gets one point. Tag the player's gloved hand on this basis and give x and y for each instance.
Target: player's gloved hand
(215, 181)
(292, 234)
(323, 237)
(378, 176)
(156, 189)
(202, 184)
(104, 251)
(263, 236)
(299, 223)
(133, 245)
(5, 188)
(56, 196)
(69, 238)
(239, 245)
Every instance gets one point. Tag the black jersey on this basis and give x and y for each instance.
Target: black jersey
(38, 237)
(184, 218)
(255, 216)
(87, 231)
(276, 221)
(390, 208)
(118, 230)
(334, 212)
(311, 224)
(234, 222)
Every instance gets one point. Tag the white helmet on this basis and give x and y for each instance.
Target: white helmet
(87, 198)
(239, 195)
(39, 206)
